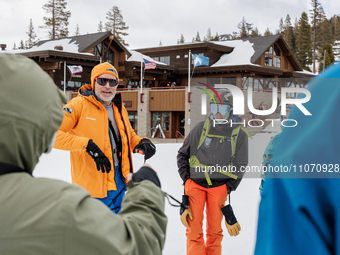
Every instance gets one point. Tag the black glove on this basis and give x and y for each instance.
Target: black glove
(185, 204)
(147, 147)
(146, 173)
(185, 211)
(102, 162)
(231, 222)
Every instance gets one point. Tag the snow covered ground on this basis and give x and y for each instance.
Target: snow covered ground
(245, 200)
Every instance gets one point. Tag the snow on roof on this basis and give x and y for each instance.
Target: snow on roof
(305, 72)
(49, 45)
(137, 56)
(65, 43)
(241, 55)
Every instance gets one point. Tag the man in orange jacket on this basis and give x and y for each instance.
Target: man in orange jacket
(97, 131)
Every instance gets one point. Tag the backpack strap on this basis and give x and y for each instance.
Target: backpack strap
(204, 133)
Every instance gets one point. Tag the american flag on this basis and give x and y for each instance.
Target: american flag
(149, 64)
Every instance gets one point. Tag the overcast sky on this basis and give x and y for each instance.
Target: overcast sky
(152, 21)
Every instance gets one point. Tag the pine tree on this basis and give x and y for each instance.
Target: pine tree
(77, 31)
(58, 22)
(160, 43)
(234, 35)
(100, 27)
(242, 26)
(181, 40)
(255, 32)
(316, 18)
(327, 57)
(288, 33)
(295, 29)
(281, 27)
(31, 35)
(14, 46)
(325, 37)
(216, 37)
(116, 25)
(336, 27)
(21, 45)
(198, 38)
(208, 37)
(267, 32)
(304, 43)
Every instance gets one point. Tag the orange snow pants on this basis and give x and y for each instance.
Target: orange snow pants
(214, 199)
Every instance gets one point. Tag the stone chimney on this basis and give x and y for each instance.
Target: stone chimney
(3, 46)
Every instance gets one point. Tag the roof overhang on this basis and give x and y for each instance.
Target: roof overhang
(297, 75)
(56, 56)
(132, 64)
(189, 46)
(259, 70)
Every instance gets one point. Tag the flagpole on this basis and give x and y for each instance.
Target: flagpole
(189, 72)
(64, 77)
(141, 75)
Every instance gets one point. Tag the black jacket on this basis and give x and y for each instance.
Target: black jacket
(213, 152)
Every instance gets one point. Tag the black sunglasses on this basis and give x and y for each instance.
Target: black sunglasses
(103, 81)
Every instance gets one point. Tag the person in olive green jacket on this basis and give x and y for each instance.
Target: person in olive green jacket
(45, 216)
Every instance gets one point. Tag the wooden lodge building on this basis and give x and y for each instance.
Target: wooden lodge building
(260, 62)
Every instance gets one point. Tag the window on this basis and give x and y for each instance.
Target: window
(277, 51)
(212, 81)
(165, 60)
(254, 83)
(98, 51)
(273, 57)
(268, 60)
(135, 83)
(277, 62)
(248, 83)
(223, 80)
(72, 85)
(269, 51)
(133, 118)
(229, 80)
(162, 118)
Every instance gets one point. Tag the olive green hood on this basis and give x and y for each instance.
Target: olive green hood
(30, 111)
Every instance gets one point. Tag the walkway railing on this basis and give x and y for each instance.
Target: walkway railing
(178, 135)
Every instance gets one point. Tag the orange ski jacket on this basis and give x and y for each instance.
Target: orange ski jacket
(86, 118)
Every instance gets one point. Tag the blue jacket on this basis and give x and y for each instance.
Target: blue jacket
(302, 215)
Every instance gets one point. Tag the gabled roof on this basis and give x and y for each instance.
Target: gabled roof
(262, 43)
(88, 41)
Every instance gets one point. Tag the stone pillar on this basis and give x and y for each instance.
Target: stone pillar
(193, 109)
(144, 115)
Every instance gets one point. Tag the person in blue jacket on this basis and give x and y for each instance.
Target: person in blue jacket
(301, 214)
